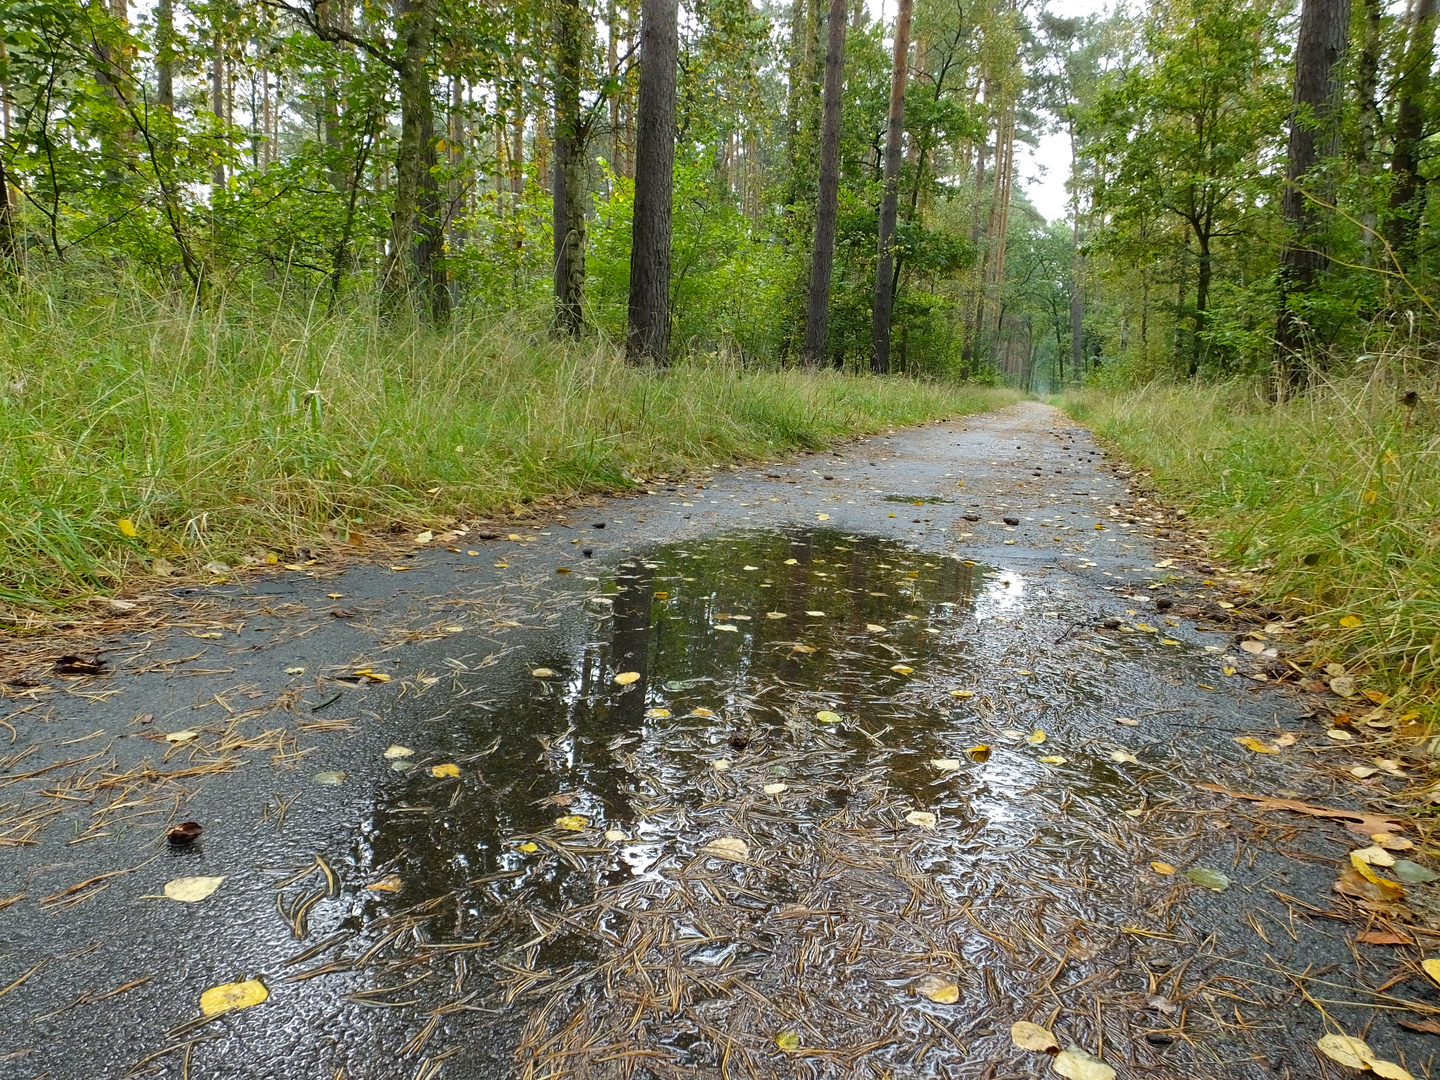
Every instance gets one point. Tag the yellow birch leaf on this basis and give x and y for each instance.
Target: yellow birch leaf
(126, 527)
(1252, 743)
(572, 822)
(625, 678)
(448, 769)
(1162, 868)
(1346, 1050)
(188, 890)
(231, 996)
(1030, 1036)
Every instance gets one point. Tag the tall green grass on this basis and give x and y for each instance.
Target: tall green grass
(1336, 494)
(226, 434)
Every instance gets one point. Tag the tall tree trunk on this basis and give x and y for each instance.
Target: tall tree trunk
(890, 195)
(569, 170)
(1367, 85)
(612, 71)
(1203, 273)
(165, 54)
(8, 246)
(1324, 34)
(827, 208)
(217, 92)
(412, 262)
(1077, 285)
(648, 333)
(1414, 85)
(330, 108)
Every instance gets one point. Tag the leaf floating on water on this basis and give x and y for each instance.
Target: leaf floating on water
(727, 847)
(1124, 757)
(875, 628)
(529, 847)
(979, 753)
(1163, 868)
(188, 890)
(543, 673)
(1412, 873)
(1208, 878)
(822, 517)
(1030, 1036)
(921, 819)
(776, 615)
(1252, 743)
(727, 626)
(788, 1041)
(1127, 721)
(937, 988)
(803, 648)
(625, 678)
(231, 996)
(702, 712)
(389, 883)
(1036, 737)
(330, 778)
(1356, 820)
(775, 788)
(825, 716)
(395, 750)
(658, 714)
(962, 693)
(572, 822)
(1054, 759)
(945, 764)
(720, 764)
(903, 669)
(1075, 1063)
(1346, 1050)
(816, 614)
(448, 769)
(615, 836)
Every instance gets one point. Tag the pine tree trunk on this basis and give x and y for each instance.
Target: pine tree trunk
(217, 95)
(890, 195)
(1414, 87)
(412, 262)
(568, 171)
(164, 54)
(1324, 34)
(1367, 87)
(817, 308)
(648, 333)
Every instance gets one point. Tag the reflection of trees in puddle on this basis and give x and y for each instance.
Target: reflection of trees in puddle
(642, 943)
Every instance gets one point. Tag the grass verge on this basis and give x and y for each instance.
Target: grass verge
(235, 434)
(1335, 495)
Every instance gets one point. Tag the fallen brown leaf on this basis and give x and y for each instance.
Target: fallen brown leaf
(1360, 821)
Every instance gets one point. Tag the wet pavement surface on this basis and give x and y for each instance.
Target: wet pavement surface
(817, 769)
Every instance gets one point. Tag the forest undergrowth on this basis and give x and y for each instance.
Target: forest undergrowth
(133, 431)
(1334, 496)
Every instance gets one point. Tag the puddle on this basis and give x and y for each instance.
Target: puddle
(576, 843)
(848, 809)
(916, 500)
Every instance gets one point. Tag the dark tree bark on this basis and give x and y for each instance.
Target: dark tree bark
(817, 308)
(568, 171)
(165, 54)
(1406, 193)
(1367, 87)
(412, 263)
(1324, 35)
(8, 246)
(648, 334)
(890, 196)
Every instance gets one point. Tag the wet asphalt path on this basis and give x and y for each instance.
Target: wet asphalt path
(974, 565)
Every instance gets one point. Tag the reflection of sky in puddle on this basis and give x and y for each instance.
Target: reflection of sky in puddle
(1001, 595)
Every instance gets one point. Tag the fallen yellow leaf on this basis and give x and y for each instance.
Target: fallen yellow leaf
(126, 527)
(625, 678)
(1252, 743)
(231, 996)
(448, 769)
(1030, 1036)
(572, 822)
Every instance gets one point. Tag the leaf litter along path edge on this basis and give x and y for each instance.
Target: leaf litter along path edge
(551, 907)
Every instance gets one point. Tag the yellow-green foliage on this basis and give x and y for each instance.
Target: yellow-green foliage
(233, 432)
(1336, 492)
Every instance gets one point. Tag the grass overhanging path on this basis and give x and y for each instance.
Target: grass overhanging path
(139, 437)
(1329, 503)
